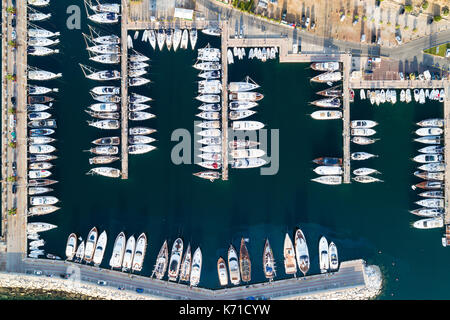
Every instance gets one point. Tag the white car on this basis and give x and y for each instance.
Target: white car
(399, 39)
(401, 76)
(342, 17)
(447, 54)
(307, 23)
(363, 37)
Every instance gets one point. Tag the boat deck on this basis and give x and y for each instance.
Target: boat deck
(351, 274)
(124, 91)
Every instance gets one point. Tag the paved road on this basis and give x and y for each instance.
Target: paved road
(252, 26)
(350, 275)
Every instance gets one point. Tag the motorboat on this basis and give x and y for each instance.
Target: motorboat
(211, 148)
(106, 7)
(240, 114)
(327, 103)
(207, 66)
(186, 262)
(432, 149)
(431, 203)
(141, 131)
(41, 140)
(331, 180)
(230, 58)
(428, 158)
(90, 245)
(242, 143)
(41, 33)
(209, 175)
(429, 131)
(43, 200)
(36, 174)
(41, 148)
(331, 92)
(366, 179)
(428, 212)
(79, 255)
(105, 124)
(429, 139)
(196, 268)
(209, 125)
(324, 261)
(36, 90)
(43, 75)
(328, 170)
(140, 139)
(210, 164)
(193, 37)
(105, 150)
(361, 140)
(108, 39)
(38, 16)
(213, 74)
(40, 51)
(429, 223)
(362, 155)
(362, 132)
(47, 123)
(106, 90)
(107, 141)
(103, 115)
(161, 262)
(222, 272)
(39, 3)
(435, 122)
(241, 105)
(363, 124)
(246, 96)
(209, 115)
(247, 163)
(105, 171)
(103, 159)
(39, 115)
(128, 256)
(211, 156)
(137, 81)
(210, 133)
(36, 227)
(268, 261)
(38, 107)
(212, 31)
(328, 161)
(139, 252)
(140, 148)
(432, 194)
(40, 99)
(118, 251)
(430, 185)
(137, 98)
(209, 54)
(210, 140)
(365, 171)
(42, 157)
(333, 256)
(42, 210)
(208, 98)
(325, 66)
(246, 125)
(327, 77)
(301, 251)
(175, 259)
(326, 115)
(233, 266)
(100, 249)
(106, 58)
(104, 17)
(140, 115)
(38, 190)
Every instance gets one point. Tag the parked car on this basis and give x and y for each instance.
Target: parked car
(101, 283)
(307, 22)
(14, 188)
(139, 290)
(14, 166)
(38, 272)
(399, 39)
(14, 35)
(13, 22)
(401, 76)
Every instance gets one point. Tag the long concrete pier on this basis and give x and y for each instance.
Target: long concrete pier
(351, 275)
(224, 101)
(124, 90)
(346, 62)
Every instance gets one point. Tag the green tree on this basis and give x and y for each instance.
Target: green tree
(12, 211)
(12, 144)
(11, 179)
(437, 18)
(408, 8)
(11, 110)
(425, 5)
(445, 11)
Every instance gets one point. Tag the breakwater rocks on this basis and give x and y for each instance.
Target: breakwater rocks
(373, 280)
(73, 290)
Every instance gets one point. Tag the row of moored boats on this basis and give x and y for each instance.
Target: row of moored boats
(262, 54)
(390, 95)
(432, 171)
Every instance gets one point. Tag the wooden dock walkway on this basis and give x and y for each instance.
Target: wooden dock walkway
(224, 101)
(124, 90)
(346, 62)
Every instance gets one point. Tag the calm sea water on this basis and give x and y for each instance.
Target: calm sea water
(165, 201)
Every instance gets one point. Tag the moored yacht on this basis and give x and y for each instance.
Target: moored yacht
(186, 264)
(118, 251)
(128, 256)
(196, 267)
(233, 266)
(175, 259)
(290, 264)
(100, 249)
(105, 171)
(324, 262)
(90, 245)
(268, 261)
(301, 251)
(139, 253)
(222, 272)
(161, 262)
(71, 246)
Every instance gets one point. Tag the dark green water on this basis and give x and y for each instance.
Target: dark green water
(166, 201)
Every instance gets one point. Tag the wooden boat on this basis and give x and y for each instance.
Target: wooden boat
(244, 262)
(268, 261)
(161, 262)
(103, 159)
(222, 272)
(107, 141)
(290, 265)
(430, 185)
(90, 245)
(185, 267)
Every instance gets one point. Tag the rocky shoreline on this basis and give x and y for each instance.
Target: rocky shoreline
(69, 289)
